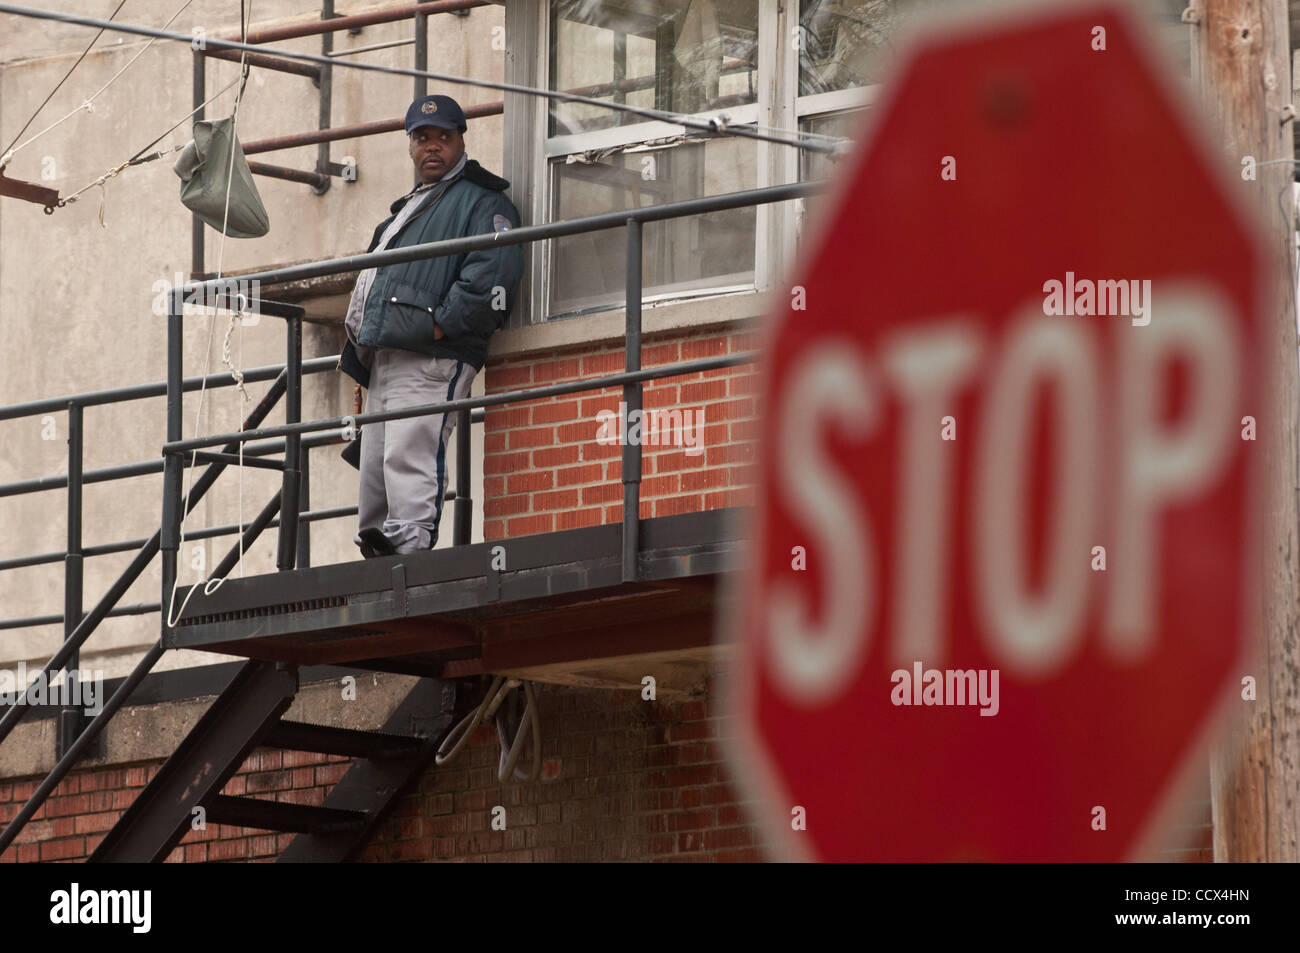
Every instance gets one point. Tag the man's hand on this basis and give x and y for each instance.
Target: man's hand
(438, 334)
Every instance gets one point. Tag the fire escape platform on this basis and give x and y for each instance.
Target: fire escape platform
(558, 611)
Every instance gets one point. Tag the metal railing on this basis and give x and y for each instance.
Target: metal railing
(295, 437)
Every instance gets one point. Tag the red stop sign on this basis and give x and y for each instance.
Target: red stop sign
(1005, 521)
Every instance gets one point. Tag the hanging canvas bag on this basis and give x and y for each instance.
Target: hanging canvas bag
(204, 168)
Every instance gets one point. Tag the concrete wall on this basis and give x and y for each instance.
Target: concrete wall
(75, 297)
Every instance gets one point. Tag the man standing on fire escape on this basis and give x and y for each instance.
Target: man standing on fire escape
(418, 331)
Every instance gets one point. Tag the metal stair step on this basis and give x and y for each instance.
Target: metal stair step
(349, 742)
(282, 816)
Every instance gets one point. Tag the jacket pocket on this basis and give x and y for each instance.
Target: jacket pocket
(408, 317)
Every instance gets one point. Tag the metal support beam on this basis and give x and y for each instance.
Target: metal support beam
(326, 84)
(632, 405)
(205, 760)
(318, 181)
(267, 61)
(463, 507)
(286, 552)
(313, 27)
(198, 96)
(170, 530)
(28, 192)
(72, 719)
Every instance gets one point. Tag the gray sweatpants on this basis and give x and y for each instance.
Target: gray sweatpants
(404, 462)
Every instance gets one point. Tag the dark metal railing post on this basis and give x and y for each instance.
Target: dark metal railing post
(287, 553)
(326, 84)
(463, 505)
(196, 224)
(304, 506)
(632, 405)
(421, 54)
(170, 532)
(72, 720)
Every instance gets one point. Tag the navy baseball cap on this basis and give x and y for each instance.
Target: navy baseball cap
(441, 111)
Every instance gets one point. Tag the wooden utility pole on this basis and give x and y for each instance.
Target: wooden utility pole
(1242, 48)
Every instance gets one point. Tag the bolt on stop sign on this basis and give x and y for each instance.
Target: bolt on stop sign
(1004, 539)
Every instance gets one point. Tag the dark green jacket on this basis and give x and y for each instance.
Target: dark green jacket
(456, 292)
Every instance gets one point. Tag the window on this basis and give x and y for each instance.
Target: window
(680, 56)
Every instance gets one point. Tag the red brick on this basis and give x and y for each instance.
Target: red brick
(731, 453)
(577, 432)
(573, 476)
(659, 354)
(496, 485)
(743, 384)
(743, 496)
(532, 437)
(560, 500)
(703, 347)
(602, 493)
(679, 504)
(703, 479)
(228, 850)
(555, 456)
(605, 400)
(508, 378)
(730, 409)
(530, 525)
(505, 463)
(529, 482)
(577, 519)
(660, 485)
(592, 450)
(655, 397)
(494, 442)
(95, 823)
(744, 430)
(506, 505)
(548, 371)
(704, 390)
(494, 529)
(507, 417)
(677, 460)
(555, 412)
(63, 849)
(608, 363)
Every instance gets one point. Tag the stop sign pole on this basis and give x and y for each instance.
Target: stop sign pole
(1005, 561)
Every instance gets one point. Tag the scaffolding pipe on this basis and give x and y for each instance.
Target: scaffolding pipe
(353, 131)
(315, 27)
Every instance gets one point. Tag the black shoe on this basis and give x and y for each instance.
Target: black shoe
(375, 543)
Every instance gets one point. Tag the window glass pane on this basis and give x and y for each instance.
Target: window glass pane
(818, 166)
(682, 56)
(841, 42)
(589, 272)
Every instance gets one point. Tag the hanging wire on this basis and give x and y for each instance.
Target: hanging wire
(717, 125)
(9, 149)
(139, 158)
(14, 150)
(211, 585)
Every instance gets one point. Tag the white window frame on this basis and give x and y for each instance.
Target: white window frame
(530, 152)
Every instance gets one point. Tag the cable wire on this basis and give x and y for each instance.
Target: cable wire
(717, 125)
(14, 150)
(8, 152)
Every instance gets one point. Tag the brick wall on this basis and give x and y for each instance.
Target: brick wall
(623, 779)
(75, 818)
(544, 469)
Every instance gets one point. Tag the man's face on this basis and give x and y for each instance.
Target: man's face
(435, 151)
